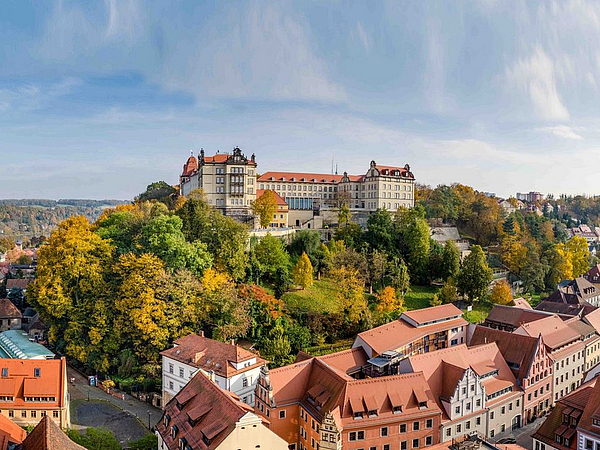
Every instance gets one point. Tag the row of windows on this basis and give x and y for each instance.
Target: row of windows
(459, 427)
(385, 431)
(295, 187)
(33, 414)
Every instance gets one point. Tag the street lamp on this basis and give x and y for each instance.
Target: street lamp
(88, 389)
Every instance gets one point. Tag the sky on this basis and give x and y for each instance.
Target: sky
(99, 99)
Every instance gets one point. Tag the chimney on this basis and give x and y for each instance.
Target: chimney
(211, 375)
(232, 342)
(201, 333)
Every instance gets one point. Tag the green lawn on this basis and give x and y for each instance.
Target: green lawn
(320, 297)
(419, 297)
(479, 312)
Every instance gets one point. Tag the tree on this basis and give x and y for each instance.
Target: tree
(160, 191)
(141, 320)
(501, 293)
(309, 242)
(163, 237)
(353, 304)
(303, 272)
(148, 442)
(389, 304)
(72, 293)
(418, 243)
(265, 207)
(271, 255)
(450, 259)
(225, 238)
(448, 293)
(276, 348)
(475, 275)
(398, 276)
(95, 439)
(380, 230)
(533, 272)
(580, 255)
(344, 216)
(435, 300)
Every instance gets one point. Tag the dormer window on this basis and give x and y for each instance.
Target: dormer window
(397, 409)
(36, 372)
(5, 371)
(596, 422)
(174, 431)
(358, 415)
(182, 444)
(422, 405)
(373, 413)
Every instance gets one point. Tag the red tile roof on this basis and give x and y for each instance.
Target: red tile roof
(434, 313)
(399, 333)
(8, 310)
(190, 166)
(47, 435)
(300, 177)
(201, 411)
(556, 333)
(10, 432)
(208, 354)
(21, 382)
(278, 199)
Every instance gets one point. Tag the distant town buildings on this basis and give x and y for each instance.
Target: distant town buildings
(530, 197)
(228, 365)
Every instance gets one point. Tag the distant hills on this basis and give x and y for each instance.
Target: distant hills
(25, 218)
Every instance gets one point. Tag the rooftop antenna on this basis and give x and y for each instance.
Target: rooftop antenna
(332, 166)
(336, 168)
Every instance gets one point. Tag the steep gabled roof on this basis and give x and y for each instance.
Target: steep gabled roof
(209, 354)
(201, 412)
(278, 199)
(9, 310)
(47, 435)
(518, 350)
(513, 316)
(565, 309)
(10, 432)
(555, 332)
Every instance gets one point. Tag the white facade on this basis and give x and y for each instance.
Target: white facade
(176, 374)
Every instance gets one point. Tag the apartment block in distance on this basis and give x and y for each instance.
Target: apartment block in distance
(230, 366)
(227, 179)
(202, 416)
(318, 403)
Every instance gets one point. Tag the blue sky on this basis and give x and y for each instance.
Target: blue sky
(98, 99)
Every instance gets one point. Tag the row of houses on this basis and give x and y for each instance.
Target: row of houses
(427, 378)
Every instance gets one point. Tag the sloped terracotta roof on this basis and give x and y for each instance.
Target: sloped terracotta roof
(593, 319)
(47, 435)
(190, 166)
(17, 283)
(21, 381)
(10, 432)
(300, 177)
(591, 411)
(201, 409)
(565, 309)
(9, 310)
(522, 303)
(555, 332)
(432, 313)
(440, 366)
(518, 350)
(278, 199)
(398, 333)
(209, 354)
(513, 316)
(403, 171)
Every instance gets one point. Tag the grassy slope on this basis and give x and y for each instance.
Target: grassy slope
(419, 297)
(320, 297)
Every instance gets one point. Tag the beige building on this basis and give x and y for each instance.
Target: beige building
(382, 187)
(227, 179)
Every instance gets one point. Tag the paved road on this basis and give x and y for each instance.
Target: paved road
(143, 411)
(523, 434)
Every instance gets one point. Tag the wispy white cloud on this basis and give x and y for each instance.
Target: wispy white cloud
(33, 96)
(562, 131)
(535, 77)
(363, 36)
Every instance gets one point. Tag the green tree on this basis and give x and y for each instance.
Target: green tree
(160, 191)
(148, 442)
(380, 230)
(435, 300)
(450, 259)
(309, 242)
(225, 238)
(448, 293)
(265, 207)
(276, 347)
(344, 216)
(303, 272)
(271, 255)
(95, 439)
(398, 276)
(533, 272)
(417, 242)
(163, 237)
(354, 308)
(475, 275)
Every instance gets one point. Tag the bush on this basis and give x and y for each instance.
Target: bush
(148, 442)
(95, 439)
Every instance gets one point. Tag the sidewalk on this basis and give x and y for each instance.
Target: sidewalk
(143, 411)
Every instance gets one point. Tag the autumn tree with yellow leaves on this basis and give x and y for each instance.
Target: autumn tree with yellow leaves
(303, 272)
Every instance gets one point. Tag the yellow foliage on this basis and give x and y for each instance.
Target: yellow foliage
(213, 279)
(388, 301)
(501, 293)
(303, 271)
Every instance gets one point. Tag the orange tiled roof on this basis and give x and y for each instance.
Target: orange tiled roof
(300, 177)
(430, 314)
(399, 333)
(555, 332)
(21, 382)
(10, 432)
(208, 354)
(17, 283)
(278, 199)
